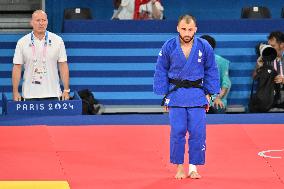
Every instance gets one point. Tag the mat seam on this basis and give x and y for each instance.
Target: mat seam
(57, 154)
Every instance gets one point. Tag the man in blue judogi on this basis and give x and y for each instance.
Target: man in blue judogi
(186, 74)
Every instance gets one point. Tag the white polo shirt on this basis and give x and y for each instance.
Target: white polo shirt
(127, 11)
(35, 59)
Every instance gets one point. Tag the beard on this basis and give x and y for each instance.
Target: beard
(186, 39)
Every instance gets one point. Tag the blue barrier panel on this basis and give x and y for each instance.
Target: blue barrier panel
(46, 107)
(169, 26)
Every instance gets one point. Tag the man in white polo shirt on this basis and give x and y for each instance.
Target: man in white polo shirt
(41, 53)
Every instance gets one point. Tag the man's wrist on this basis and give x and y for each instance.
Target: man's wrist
(66, 90)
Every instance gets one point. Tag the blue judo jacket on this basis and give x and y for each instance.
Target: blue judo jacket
(200, 64)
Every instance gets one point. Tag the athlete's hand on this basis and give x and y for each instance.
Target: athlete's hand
(166, 109)
(207, 106)
(208, 98)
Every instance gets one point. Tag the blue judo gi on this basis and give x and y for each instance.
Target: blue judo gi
(186, 105)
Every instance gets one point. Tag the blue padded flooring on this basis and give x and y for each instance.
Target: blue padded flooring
(137, 119)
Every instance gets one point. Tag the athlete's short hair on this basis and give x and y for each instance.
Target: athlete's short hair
(187, 18)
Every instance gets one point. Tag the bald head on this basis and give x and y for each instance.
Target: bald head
(39, 22)
(38, 12)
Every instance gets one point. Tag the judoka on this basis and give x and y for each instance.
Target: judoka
(186, 74)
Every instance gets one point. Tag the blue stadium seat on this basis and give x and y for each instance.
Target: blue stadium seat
(255, 12)
(77, 13)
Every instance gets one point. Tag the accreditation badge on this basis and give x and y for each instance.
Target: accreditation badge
(38, 75)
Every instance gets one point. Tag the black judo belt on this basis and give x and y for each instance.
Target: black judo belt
(182, 84)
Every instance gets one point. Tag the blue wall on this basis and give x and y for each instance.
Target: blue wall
(203, 10)
(101, 9)
(224, 9)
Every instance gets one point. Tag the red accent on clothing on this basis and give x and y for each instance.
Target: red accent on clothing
(136, 8)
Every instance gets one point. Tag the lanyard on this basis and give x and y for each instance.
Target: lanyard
(280, 65)
(44, 48)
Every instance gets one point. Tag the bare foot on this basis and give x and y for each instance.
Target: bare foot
(180, 172)
(194, 175)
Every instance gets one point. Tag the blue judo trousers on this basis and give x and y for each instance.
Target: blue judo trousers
(191, 120)
(186, 110)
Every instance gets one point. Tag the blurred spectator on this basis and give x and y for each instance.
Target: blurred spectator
(259, 61)
(124, 9)
(116, 4)
(275, 40)
(151, 10)
(219, 103)
(137, 9)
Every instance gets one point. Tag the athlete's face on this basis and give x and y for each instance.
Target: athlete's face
(186, 30)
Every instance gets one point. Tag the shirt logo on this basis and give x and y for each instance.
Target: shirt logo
(167, 101)
(199, 56)
(160, 53)
(199, 53)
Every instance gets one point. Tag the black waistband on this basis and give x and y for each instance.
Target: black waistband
(186, 83)
(182, 84)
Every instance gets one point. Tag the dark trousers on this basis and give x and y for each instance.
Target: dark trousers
(40, 99)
